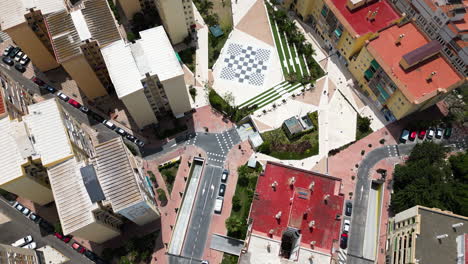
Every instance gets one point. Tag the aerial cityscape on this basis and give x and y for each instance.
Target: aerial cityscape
(234, 131)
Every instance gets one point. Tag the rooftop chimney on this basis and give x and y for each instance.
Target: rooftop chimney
(311, 224)
(312, 243)
(271, 231)
(454, 226)
(429, 77)
(273, 185)
(373, 15)
(398, 40)
(292, 180)
(442, 236)
(311, 186)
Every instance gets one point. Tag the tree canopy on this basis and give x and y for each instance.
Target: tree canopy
(430, 180)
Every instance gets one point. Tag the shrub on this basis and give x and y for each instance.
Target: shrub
(236, 204)
(161, 195)
(193, 92)
(382, 141)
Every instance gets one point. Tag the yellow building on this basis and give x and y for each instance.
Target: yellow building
(426, 235)
(403, 72)
(24, 23)
(77, 35)
(16, 255)
(148, 77)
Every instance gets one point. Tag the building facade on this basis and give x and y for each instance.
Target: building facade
(445, 21)
(424, 235)
(147, 77)
(15, 97)
(16, 255)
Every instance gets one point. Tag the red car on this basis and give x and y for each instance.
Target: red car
(422, 134)
(65, 239)
(78, 248)
(74, 103)
(38, 81)
(413, 135)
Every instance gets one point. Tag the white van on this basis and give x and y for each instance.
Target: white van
(218, 205)
(23, 241)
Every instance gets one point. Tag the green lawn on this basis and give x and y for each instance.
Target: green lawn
(215, 45)
(242, 199)
(169, 173)
(278, 145)
(280, 51)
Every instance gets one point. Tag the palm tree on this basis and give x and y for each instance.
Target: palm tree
(205, 6)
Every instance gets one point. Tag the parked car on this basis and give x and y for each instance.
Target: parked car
(20, 68)
(31, 245)
(404, 135)
(344, 241)
(22, 209)
(46, 226)
(139, 142)
(130, 137)
(92, 256)
(222, 190)
(13, 52)
(35, 218)
(23, 241)
(62, 237)
(439, 132)
(413, 135)
(84, 109)
(218, 205)
(50, 89)
(348, 208)
(121, 132)
(422, 134)
(25, 60)
(74, 103)
(109, 124)
(448, 132)
(430, 133)
(8, 61)
(63, 96)
(18, 56)
(38, 81)
(346, 225)
(79, 248)
(225, 175)
(7, 50)
(96, 117)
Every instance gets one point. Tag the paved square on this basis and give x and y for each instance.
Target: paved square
(245, 64)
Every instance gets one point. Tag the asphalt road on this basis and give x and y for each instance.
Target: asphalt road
(357, 239)
(19, 226)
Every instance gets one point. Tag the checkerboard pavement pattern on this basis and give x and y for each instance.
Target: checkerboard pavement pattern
(245, 64)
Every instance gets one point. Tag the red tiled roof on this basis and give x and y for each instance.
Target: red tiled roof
(294, 202)
(357, 19)
(413, 82)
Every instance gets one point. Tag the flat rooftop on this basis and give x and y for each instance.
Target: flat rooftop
(357, 19)
(13, 11)
(68, 31)
(128, 63)
(411, 82)
(11, 161)
(294, 202)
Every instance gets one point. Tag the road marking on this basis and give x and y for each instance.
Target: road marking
(360, 194)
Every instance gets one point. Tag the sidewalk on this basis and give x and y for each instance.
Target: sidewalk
(201, 55)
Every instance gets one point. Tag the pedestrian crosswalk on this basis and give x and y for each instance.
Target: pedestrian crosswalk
(342, 256)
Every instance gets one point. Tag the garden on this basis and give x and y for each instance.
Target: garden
(135, 250)
(169, 173)
(303, 145)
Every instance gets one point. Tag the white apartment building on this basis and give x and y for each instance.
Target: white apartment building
(148, 77)
(176, 15)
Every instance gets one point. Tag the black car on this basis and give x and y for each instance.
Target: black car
(121, 132)
(84, 109)
(8, 61)
(7, 50)
(96, 117)
(344, 241)
(130, 137)
(13, 52)
(35, 218)
(140, 143)
(348, 209)
(20, 68)
(222, 190)
(50, 89)
(91, 255)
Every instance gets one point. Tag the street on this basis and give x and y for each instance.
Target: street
(19, 226)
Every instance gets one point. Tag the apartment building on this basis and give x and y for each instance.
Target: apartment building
(14, 98)
(77, 35)
(445, 21)
(16, 255)
(31, 145)
(176, 15)
(403, 72)
(147, 77)
(427, 235)
(24, 22)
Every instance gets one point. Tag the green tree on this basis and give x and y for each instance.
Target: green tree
(363, 124)
(235, 226)
(459, 165)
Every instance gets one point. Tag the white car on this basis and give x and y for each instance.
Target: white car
(218, 205)
(18, 56)
(430, 133)
(63, 96)
(23, 241)
(30, 245)
(109, 124)
(346, 226)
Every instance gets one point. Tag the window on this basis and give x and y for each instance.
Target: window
(324, 11)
